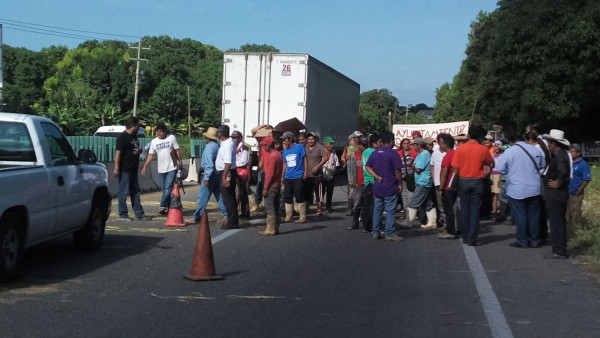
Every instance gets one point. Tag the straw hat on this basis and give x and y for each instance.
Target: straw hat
(211, 133)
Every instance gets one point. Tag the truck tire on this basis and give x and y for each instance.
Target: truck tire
(91, 236)
(11, 247)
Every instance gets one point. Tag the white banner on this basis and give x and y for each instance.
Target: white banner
(402, 131)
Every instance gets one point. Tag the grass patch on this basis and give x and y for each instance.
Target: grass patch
(584, 240)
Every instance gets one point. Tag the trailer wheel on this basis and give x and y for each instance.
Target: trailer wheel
(91, 236)
(11, 247)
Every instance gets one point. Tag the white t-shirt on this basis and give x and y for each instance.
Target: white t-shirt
(436, 161)
(225, 155)
(242, 156)
(161, 148)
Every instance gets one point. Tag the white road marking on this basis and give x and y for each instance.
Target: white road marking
(489, 301)
(224, 235)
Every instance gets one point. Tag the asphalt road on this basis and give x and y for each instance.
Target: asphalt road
(313, 280)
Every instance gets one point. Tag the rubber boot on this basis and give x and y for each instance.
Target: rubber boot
(412, 214)
(431, 219)
(302, 209)
(252, 203)
(289, 210)
(270, 230)
(277, 224)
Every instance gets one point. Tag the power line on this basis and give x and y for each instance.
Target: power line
(65, 29)
(64, 35)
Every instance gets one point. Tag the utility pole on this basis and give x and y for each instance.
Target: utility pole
(189, 115)
(137, 74)
(406, 118)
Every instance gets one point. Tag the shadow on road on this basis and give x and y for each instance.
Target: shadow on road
(58, 260)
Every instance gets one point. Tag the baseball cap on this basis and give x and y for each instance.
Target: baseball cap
(415, 134)
(489, 137)
(267, 141)
(328, 140)
(287, 134)
(418, 140)
(428, 140)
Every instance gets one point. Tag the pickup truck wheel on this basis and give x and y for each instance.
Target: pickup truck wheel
(11, 248)
(92, 235)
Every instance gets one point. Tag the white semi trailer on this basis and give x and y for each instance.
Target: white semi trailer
(268, 88)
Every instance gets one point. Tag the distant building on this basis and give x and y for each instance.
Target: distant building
(427, 112)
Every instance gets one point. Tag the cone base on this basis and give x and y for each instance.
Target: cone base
(202, 278)
(176, 225)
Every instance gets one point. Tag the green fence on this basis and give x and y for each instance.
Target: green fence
(105, 147)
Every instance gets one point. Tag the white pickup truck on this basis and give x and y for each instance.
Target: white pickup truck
(46, 190)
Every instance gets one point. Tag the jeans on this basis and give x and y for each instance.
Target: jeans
(470, 192)
(526, 215)
(204, 195)
(241, 194)
(166, 183)
(389, 204)
(556, 210)
(129, 186)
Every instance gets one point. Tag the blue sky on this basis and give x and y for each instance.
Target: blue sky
(410, 47)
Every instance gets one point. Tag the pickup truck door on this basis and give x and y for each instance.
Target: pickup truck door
(71, 195)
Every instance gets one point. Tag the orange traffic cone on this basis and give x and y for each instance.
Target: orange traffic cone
(203, 266)
(175, 215)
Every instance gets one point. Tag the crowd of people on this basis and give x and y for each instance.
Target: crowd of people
(450, 183)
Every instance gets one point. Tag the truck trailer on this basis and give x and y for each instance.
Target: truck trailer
(268, 88)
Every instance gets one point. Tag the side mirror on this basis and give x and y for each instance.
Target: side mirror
(87, 156)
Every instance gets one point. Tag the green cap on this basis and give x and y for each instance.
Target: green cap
(328, 140)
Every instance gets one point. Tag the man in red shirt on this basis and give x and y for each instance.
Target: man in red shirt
(471, 162)
(446, 190)
(273, 168)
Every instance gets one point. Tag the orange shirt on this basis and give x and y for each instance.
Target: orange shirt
(470, 158)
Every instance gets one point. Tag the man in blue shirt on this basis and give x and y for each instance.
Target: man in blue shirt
(422, 194)
(295, 172)
(210, 179)
(521, 164)
(581, 178)
(385, 166)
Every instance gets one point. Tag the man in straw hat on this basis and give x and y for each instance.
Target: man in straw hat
(555, 190)
(210, 179)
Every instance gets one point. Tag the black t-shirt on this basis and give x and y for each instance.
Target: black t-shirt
(129, 146)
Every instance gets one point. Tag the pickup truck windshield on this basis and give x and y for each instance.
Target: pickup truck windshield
(15, 143)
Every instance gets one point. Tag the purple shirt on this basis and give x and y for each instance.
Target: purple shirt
(385, 161)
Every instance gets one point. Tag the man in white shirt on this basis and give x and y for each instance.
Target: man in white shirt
(225, 166)
(242, 160)
(164, 146)
(436, 168)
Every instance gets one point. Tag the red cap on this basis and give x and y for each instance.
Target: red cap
(267, 141)
(416, 133)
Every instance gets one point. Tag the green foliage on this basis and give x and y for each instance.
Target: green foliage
(529, 61)
(374, 107)
(254, 48)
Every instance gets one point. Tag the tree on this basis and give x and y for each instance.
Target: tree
(254, 48)
(374, 107)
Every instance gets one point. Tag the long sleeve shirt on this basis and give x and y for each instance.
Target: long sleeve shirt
(209, 156)
(522, 176)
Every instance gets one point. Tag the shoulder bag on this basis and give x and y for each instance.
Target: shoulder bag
(408, 178)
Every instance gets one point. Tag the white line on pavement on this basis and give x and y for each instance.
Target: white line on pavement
(489, 301)
(224, 235)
